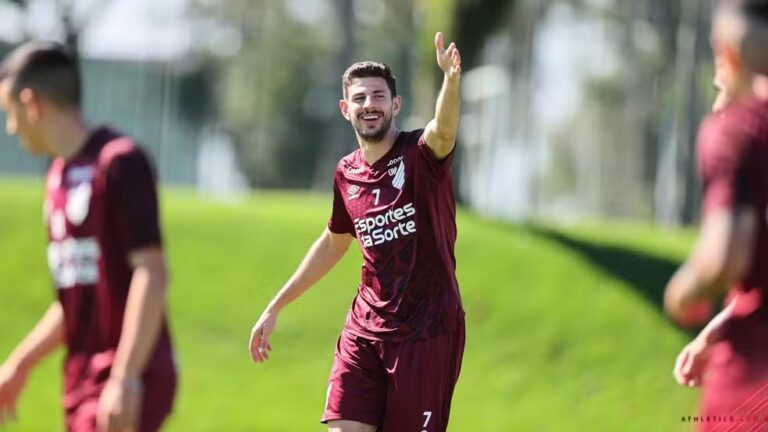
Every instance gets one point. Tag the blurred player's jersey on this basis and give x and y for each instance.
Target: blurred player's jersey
(733, 162)
(99, 206)
(402, 211)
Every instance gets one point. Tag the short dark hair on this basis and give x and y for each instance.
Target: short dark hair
(753, 9)
(754, 41)
(48, 68)
(368, 69)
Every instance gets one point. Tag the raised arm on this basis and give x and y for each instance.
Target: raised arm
(320, 259)
(440, 132)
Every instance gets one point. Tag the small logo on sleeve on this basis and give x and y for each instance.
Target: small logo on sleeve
(353, 192)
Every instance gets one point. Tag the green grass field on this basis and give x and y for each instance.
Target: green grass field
(564, 326)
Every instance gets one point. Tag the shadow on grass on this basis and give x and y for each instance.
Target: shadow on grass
(646, 273)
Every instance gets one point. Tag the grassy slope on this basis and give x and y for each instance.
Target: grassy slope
(564, 328)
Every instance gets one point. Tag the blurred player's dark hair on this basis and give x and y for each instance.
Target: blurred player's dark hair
(754, 40)
(753, 9)
(368, 69)
(48, 68)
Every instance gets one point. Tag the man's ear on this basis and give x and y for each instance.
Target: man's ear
(30, 103)
(731, 58)
(397, 102)
(344, 107)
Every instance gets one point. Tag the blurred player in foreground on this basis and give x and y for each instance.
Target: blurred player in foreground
(398, 358)
(729, 358)
(105, 255)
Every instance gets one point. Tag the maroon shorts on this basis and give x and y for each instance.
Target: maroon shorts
(156, 407)
(81, 399)
(395, 386)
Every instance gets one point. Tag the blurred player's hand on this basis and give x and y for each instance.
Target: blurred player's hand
(259, 345)
(12, 381)
(448, 59)
(120, 405)
(692, 362)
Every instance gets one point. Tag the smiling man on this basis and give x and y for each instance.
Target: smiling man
(398, 358)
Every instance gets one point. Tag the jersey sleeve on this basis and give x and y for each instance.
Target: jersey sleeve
(435, 168)
(725, 163)
(340, 221)
(131, 179)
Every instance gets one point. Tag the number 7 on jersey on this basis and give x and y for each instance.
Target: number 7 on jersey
(427, 416)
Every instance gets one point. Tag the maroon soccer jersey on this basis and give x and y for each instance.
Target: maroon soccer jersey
(99, 206)
(733, 161)
(402, 211)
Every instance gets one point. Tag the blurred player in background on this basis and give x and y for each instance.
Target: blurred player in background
(105, 255)
(729, 358)
(398, 358)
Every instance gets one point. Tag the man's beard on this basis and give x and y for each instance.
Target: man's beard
(376, 135)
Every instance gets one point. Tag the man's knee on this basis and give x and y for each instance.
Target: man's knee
(349, 426)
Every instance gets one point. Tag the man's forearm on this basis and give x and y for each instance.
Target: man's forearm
(142, 322)
(713, 330)
(447, 109)
(320, 259)
(47, 335)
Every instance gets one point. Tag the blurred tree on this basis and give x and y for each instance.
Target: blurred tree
(661, 84)
(278, 95)
(635, 72)
(643, 135)
(268, 93)
(71, 22)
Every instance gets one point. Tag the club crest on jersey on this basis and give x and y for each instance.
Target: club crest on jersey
(78, 203)
(353, 192)
(398, 175)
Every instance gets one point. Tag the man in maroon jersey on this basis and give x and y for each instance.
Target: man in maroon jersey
(398, 358)
(730, 357)
(104, 252)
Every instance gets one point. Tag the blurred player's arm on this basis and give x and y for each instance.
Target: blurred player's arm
(713, 331)
(720, 257)
(132, 182)
(144, 311)
(121, 399)
(692, 360)
(440, 133)
(46, 336)
(322, 256)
